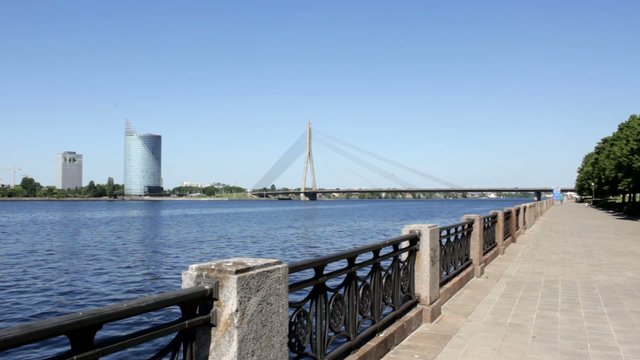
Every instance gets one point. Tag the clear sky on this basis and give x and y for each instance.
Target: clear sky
(480, 93)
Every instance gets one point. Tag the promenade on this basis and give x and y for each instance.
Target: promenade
(568, 289)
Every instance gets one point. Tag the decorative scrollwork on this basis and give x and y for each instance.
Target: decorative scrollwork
(455, 250)
(489, 233)
(507, 224)
(365, 300)
(387, 289)
(336, 304)
(404, 279)
(337, 309)
(299, 330)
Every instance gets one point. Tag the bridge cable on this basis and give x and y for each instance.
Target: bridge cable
(284, 162)
(364, 163)
(388, 161)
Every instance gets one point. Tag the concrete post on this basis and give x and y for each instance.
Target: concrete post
(532, 217)
(252, 309)
(521, 219)
(477, 238)
(499, 231)
(427, 268)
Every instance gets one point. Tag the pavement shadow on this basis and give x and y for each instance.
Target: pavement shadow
(618, 214)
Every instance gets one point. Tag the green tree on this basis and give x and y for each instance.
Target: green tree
(30, 186)
(90, 189)
(109, 188)
(613, 167)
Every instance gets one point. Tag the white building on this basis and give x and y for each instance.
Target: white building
(69, 170)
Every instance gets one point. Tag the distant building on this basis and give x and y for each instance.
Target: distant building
(69, 170)
(142, 163)
(192, 184)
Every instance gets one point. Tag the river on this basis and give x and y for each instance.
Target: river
(58, 257)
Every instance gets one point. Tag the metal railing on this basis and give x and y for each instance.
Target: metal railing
(455, 250)
(338, 302)
(507, 225)
(81, 329)
(489, 224)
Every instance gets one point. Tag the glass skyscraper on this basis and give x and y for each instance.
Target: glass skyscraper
(69, 170)
(142, 163)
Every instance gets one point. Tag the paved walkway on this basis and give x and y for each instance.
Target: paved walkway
(569, 289)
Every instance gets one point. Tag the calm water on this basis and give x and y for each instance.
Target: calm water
(58, 257)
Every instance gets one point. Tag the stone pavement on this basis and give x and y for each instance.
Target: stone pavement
(568, 289)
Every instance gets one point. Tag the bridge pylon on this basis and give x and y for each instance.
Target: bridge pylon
(308, 165)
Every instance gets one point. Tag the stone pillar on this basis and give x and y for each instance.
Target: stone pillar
(427, 269)
(476, 244)
(252, 309)
(532, 216)
(540, 210)
(499, 231)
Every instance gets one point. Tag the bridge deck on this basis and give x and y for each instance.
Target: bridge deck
(569, 289)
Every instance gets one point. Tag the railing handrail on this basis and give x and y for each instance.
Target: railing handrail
(312, 263)
(39, 330)
(466, 222)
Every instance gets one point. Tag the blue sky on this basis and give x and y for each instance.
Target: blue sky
(493, 93)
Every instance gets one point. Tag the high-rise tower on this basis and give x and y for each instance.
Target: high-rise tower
(142, 163)
(69, 170)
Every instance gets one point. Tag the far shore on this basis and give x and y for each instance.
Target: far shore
(131, 199)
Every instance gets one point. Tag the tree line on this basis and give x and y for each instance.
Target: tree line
(612, 169)
(32, 189)
(211, 190)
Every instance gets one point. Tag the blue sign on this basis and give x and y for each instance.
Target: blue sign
(557, 194)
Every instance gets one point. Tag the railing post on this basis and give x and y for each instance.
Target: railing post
(477, 238)
(427, 269)
(512, 224)
(499, 231)
(252, 310)
(532, 219)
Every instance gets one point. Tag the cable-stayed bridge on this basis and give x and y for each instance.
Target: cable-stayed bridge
(359, 156)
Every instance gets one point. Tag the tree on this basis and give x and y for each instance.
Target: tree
(90, 189)
(109, 187)
(613, 167)
(30, 186)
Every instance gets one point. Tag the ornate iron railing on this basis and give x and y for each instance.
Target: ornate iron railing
(455, 250)
(489, 224)
(81, 329)
(338, 302)
(517, 218)
(507, 225)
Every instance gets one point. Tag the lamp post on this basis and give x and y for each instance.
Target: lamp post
(593, 190)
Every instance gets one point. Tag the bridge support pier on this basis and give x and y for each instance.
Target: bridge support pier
(309, 195)
(538, 195)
